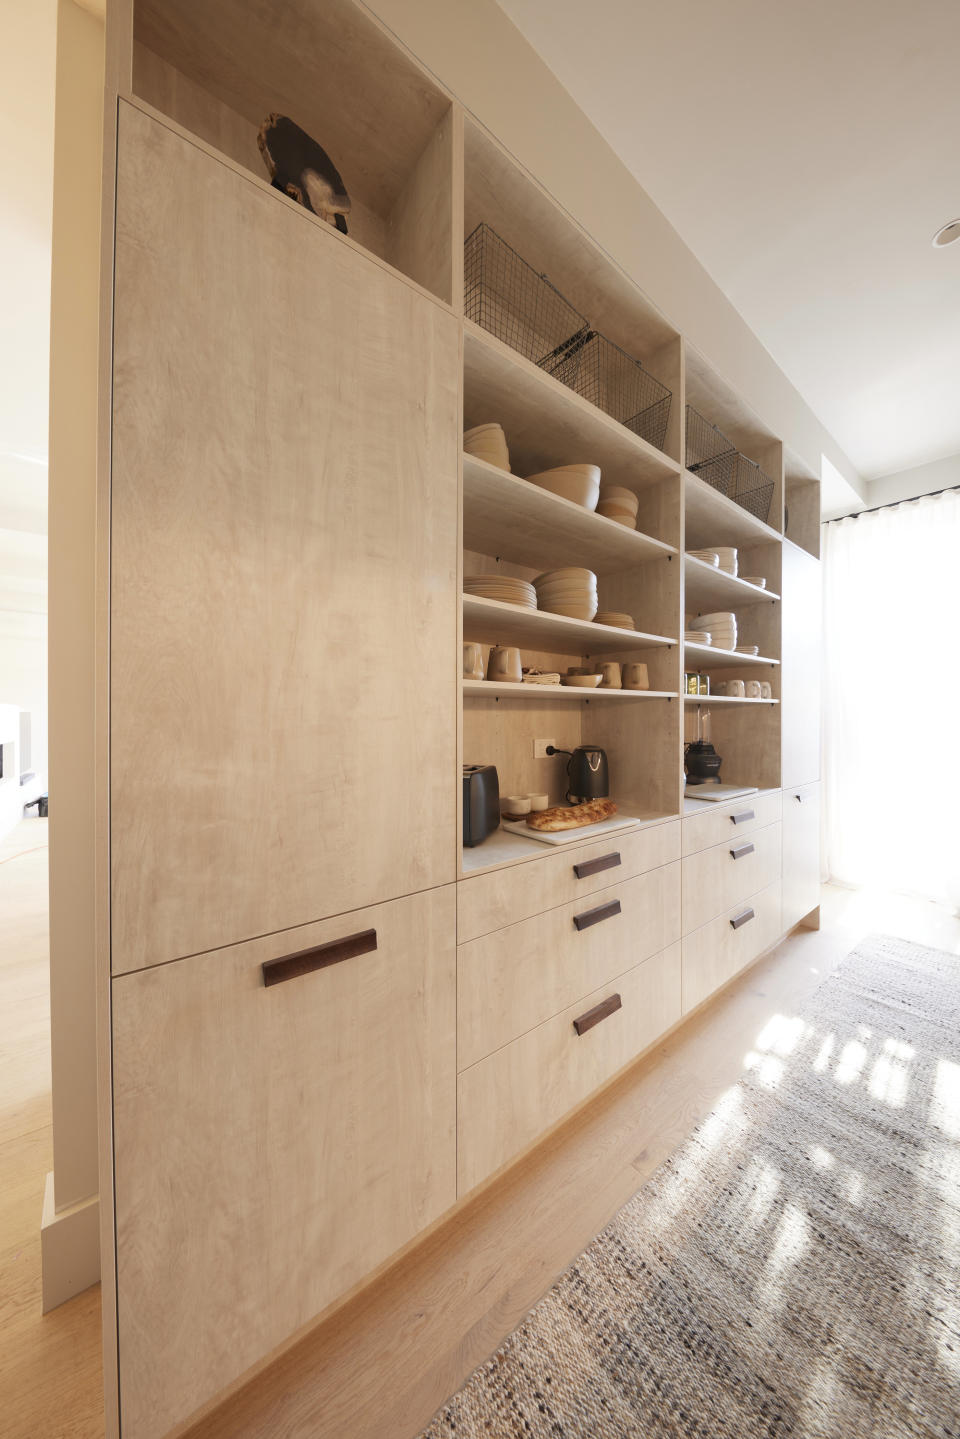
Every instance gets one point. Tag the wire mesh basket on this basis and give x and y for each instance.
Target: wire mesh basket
(520, 307)
(619, 385)
(717, 460)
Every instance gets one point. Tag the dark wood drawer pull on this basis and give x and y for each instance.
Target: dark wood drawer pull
(305, 961)
(741, 850)
(595, 866)
(744, 814)
(596, 916)
(601, 1011)
(742, 918)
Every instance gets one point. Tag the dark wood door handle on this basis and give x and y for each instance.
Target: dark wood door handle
(305, 961)
(588, 867)
(742, 918)
(603, 1010)
(744, 814)
(596, 916)
(741, 850)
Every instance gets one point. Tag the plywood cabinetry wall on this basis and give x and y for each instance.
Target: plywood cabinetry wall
(316, 1005)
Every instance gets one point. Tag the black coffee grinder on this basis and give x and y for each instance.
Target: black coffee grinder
(700, 759)
(587, 774)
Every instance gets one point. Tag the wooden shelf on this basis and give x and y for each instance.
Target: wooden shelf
(545, 423)
(505, 848)
(712, 519)
(725, 700)
(706, 585)
(484, 689)
(705, 657)
(505, 516)
(553, 634)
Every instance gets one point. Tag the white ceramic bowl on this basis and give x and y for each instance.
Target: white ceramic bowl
(569, 611)
(582, 682)
(569, 484)
(572, 572)
(514, 804)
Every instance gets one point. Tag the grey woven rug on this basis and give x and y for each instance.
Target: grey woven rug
(794, 1269)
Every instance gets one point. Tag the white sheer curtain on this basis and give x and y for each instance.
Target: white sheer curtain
(892, 697)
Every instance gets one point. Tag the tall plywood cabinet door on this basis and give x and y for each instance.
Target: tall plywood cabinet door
(284, 549)
(801, 852)
(801, 606)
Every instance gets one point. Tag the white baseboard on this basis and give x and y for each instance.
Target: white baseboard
(69, 1248)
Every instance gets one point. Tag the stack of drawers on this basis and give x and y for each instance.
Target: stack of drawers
(731, 891)
(567, 968)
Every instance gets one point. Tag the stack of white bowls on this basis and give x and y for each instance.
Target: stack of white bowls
(706, 557)
(578, 483)
(488, 442)
(571, 592)
(505, 588)
(722, 628)
(619, 504)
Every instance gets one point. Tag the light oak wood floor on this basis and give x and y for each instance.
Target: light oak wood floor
(379, 1367)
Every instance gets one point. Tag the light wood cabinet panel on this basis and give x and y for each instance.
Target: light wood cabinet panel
(284, 553)
(488, 902)
(273, 1145)
(716, 878)
(716, 952)
(507, 1100)
(802, 608)
(720, 822)
(510, 981)
(801, 853)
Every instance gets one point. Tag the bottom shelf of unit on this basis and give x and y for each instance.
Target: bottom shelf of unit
(725, 700)
(503, 849)
(497, 689)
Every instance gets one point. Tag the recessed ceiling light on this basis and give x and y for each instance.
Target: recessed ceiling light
(947, 233)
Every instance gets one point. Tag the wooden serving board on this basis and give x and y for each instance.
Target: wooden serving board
(567, 836)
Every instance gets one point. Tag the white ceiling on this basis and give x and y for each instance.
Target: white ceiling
(806, 153)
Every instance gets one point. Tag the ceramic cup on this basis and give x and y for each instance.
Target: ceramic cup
(539, 801)
(736, 689)
(754, 689)
(504, 664)
(636, 677)
(612, 678)
(514, 804)
(472, 662)
(766, 690)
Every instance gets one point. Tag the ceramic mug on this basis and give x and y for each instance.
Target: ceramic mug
(736, 689)
(754, 689)
(539, 802)
(504, 664)
(635, 677)
(766, 690)
(472, 662)
(610, 670)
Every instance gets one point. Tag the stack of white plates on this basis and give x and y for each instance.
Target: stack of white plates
(727, 556)
(488, 442)
(698, 637)
(571, 592)
(616, 618)
(505, 588)
(748, 649)
(757, 580)
(578, 483)
(722, 627)
(708, 557)
(620, 505)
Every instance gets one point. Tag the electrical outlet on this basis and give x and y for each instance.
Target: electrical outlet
(540, 748)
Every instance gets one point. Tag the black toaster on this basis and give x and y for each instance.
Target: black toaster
(481, 803)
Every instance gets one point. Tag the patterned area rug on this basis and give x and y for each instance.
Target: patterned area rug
(794, 1269)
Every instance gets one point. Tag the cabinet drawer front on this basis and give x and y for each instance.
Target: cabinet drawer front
(801, 853)
(274, 1141)
(732, 822)
(510, 981)
(504, 896)
(507, 1100)
(716, 878)
(719, 950)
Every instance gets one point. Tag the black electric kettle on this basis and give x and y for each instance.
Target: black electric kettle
(587, 773)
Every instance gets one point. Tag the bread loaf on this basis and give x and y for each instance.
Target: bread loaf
(572, 817)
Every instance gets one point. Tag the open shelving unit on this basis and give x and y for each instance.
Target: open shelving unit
(706, 587)
(540, 630)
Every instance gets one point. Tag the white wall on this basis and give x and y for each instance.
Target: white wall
(907, 484)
